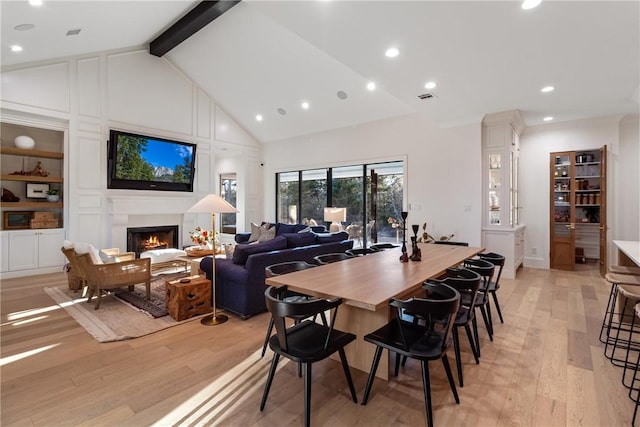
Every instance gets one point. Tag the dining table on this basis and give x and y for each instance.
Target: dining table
(366, 285)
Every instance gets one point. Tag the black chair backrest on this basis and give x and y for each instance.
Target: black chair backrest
(286, 267)
(383, 246)
(495, 259)
(438, 309)
(463, 280)
(482, 267)
(449, 242)
(361, 251)
(281, 309)
(329, 258)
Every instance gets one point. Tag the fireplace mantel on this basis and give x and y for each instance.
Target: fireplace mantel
(149, 205)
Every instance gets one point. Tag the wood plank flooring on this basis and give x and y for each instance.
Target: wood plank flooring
(545, 367)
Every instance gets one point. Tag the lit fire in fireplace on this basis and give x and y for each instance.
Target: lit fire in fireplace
(154, 243)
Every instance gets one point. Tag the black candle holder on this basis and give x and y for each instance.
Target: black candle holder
(416, 252)
(404, 257)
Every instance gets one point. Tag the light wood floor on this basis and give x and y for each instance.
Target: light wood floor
(545, 367)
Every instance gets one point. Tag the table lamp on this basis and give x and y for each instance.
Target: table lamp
(213, 204)
(335, 216)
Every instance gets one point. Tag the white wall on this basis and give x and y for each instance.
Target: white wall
(442, 171)
(132, 91)
(622, 180)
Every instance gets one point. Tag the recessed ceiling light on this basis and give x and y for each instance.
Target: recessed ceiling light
(548, 119)
(547, 89)
(282, 111)
(24, 27)
(371, 86)
(430, 85)
(35, 2)
(259, 117)
(530, 4)
(341, 95)
(392, 52)
(305, 105)
(16, 48)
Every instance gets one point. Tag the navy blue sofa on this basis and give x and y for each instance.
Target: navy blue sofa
(240, 282)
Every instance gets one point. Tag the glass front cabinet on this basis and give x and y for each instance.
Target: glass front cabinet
(502, 232)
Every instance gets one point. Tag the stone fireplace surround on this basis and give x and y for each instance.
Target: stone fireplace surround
(149, 211)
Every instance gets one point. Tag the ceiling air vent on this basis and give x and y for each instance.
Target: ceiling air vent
(74, 32)
(427, 95)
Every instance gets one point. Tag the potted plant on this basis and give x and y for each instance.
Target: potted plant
(53, 195)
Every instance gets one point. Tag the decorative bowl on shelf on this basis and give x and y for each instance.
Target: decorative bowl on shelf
(24, 142)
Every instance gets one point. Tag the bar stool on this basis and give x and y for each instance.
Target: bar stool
(634, 386)
(617, 270)
(628, 287)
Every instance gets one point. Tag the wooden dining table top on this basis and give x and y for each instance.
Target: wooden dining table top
(370, 281)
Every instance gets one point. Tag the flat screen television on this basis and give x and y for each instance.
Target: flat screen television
(140, 162)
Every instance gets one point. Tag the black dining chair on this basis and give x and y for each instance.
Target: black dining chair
(485, 269)
(306, 342)
(425, 341)
(497, 260)
(467, 283)
(450, 242)
(330, 258)
(361, 251)
(276, 270)
(383, 246)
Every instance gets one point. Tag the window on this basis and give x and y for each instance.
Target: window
(371, 194)
(228, 192)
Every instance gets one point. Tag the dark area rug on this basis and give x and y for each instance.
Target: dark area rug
(156, 306)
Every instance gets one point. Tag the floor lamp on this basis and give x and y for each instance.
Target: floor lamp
(213, 204)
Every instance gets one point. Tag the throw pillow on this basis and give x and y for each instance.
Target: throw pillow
(255, 233)
(266, 233)
(332, 237)
(242, 252)
(88, 248)
(296, 240)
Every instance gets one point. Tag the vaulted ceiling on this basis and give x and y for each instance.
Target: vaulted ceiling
(267, 57)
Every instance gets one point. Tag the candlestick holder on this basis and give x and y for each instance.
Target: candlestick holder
(404, 257)
(416, 252)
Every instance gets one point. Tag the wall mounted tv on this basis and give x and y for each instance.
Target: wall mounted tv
(139, 162)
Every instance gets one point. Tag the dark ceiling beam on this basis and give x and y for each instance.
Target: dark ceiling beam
(192, 22)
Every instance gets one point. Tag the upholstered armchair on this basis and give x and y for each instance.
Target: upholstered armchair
(114, 275)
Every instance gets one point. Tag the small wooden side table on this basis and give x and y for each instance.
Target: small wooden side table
(188, 297)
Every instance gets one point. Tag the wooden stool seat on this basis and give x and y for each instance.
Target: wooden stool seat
(188, 297)
(623, 279)
(621, 269)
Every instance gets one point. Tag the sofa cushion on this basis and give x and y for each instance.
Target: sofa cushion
(282, 229)
(332, 237)
(266, 233)
(296, 240)
(242, 252)
(255, 233)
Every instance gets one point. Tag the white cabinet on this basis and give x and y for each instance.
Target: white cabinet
(502, 232)
(32, 249)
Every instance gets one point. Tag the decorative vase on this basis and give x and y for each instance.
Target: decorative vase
(404, 257)
(24, 142)
(53, 198)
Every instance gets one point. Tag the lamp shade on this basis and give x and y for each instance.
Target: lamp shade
(212, 203)
(335, 214)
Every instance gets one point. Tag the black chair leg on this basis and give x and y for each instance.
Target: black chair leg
(347, 373)
(447, 369)
(497, 304)
(267, 386)
(372, 374)
(398, 357)
(307, 394)
(426, 384)
(456, 347)
(487, 324)
(490, 317)
(266, 338)
(474, 322)
(472, 343)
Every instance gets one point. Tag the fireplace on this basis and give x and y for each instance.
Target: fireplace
(141, 239)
